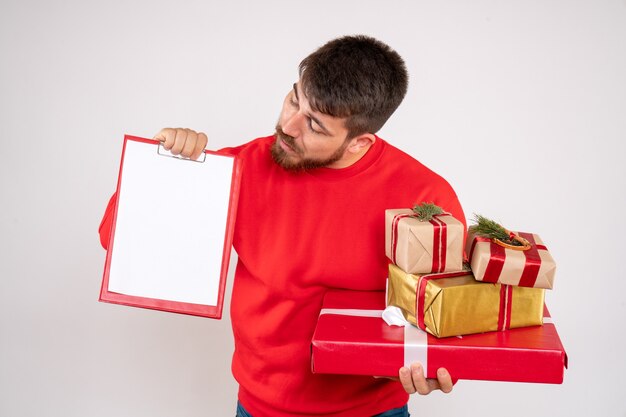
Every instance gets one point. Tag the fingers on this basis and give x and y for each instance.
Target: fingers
(444, 380)
(422, 386)
(190, 144)
(414, 380)
(181, 138)
(200, 145)
(184, 142)
(406, 380)
(166, 136)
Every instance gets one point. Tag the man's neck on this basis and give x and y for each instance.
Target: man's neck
(351, 157)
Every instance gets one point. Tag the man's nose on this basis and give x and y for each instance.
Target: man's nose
(292, 125)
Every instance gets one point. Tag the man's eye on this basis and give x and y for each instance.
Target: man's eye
(312, 129)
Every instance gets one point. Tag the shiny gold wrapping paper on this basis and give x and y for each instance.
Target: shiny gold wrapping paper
(461, 305)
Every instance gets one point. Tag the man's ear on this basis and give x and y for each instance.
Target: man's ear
(361, 143)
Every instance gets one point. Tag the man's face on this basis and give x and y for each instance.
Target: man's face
(306, 139)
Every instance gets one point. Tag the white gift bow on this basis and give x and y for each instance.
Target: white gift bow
(393, 316)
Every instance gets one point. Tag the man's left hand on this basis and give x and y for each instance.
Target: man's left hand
(413, 380)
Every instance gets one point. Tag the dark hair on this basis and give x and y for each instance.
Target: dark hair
(357, 77)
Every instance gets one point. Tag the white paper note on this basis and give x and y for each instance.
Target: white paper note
(171, 222)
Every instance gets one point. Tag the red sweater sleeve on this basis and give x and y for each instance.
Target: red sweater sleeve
(449, 202)
(457, 211)
(105, 224)
(232, 151)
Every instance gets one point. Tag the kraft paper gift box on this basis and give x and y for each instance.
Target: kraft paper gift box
(351, 338)
(454, 303)
(423, 246)
(492, 262)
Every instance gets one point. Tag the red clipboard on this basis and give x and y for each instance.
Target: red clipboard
(172, 230)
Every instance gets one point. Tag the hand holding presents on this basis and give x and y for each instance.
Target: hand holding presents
(413, 380)
(185, 142)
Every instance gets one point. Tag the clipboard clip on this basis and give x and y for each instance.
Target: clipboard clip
(164, 152)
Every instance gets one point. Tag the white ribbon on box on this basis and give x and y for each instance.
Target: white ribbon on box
(352, 312)
(415, 339)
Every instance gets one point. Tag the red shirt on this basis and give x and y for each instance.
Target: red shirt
(298, 234)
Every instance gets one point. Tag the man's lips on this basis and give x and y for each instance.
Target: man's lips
(285, 146)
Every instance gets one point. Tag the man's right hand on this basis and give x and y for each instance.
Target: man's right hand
(184, 142)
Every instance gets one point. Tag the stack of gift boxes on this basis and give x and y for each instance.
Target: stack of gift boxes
(481, 318)
(501, 288)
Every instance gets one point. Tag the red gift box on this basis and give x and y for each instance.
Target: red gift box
(351, 338)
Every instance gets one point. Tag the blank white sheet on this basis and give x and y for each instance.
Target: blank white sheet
(171, 224)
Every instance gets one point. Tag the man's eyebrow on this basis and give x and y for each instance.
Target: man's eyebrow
(315, 119)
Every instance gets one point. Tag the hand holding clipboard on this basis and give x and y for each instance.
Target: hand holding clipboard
(184, 142)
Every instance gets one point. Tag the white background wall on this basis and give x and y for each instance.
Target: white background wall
(521, 105)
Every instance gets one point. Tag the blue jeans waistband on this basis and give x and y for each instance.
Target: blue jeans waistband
(396, 412)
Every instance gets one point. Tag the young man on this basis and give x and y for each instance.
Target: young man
(310, 218)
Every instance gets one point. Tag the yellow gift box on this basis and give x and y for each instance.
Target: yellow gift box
(454, 303)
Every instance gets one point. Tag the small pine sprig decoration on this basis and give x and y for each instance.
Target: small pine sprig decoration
(490, 229)
(426, 211)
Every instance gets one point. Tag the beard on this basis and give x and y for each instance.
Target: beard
(299, 161)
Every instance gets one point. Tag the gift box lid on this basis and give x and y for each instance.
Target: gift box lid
(352, 338)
